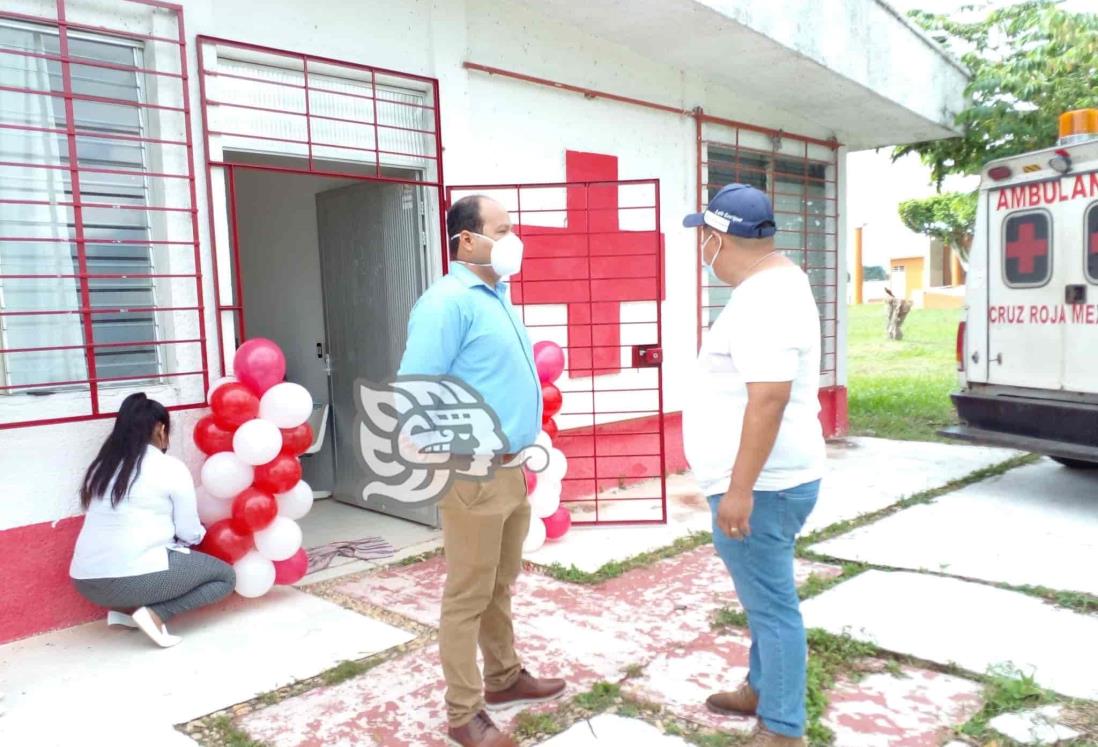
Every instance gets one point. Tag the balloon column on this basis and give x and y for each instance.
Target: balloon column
(252, 493)
(550, 520)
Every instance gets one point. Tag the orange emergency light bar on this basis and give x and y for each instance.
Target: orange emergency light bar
(1079, 125)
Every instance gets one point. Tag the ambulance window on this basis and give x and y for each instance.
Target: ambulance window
(1091, 243)
(1027, 250)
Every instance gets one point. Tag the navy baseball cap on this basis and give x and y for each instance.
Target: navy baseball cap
(738, 209)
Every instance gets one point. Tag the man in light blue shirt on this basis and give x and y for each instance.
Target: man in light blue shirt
(465, 327)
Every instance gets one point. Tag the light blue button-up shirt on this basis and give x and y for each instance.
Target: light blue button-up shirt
(464, 328)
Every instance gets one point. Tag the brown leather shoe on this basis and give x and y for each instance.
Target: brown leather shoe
(743, 701)
(763, 737)
(527, 689)
(480, 732)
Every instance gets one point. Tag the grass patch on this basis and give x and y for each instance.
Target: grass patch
(529, 725)
(347, 670)
(1007, 689)
(413, 559)
(224, 733)
(729, 617)
(600, 697)
(818, 583)
(616, 568)
(1077, 601)
(900, 388)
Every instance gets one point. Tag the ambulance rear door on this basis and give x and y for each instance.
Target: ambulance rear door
(1025, 281)
(1081, 334)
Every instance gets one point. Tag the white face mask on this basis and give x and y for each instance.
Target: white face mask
(506, 254)
(709, 265)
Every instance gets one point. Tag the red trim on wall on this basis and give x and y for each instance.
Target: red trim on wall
(833, 415)
(38, 595)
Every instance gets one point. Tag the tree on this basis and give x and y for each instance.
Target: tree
(875, 272)
(1030, 62)
(949, 217)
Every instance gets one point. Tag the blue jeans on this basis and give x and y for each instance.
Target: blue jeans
(762, 571)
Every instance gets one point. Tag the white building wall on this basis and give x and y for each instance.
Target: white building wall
(494, 130)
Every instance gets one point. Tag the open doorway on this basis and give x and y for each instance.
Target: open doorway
(329, 268)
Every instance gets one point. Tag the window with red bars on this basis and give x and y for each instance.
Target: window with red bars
(800, 176)
(99, 279)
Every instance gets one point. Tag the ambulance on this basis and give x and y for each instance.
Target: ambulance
(1027, 350)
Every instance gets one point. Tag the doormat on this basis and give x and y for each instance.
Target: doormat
(369, 548)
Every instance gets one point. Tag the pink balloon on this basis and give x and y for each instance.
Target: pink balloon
(549, 361)
(557, 525)
(531, 481)
(259, 364)
(292, 569)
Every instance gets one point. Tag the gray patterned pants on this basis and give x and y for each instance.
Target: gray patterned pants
(192, 580)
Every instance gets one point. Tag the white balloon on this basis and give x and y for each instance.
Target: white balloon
(225, 476)
(544, 441)
(280, 540)
(557, 468)
(216, 384)
(535, 538)
(255, 575)
(545, 500)
(212, 510)
(295, 502)
(286, 405)
(257, 442)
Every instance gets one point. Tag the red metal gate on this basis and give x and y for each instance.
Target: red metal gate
(592, 281)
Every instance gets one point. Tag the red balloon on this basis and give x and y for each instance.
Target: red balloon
(224, 542)
(278, 475)
(253, 510)
(531, 481)
(295, 441)
(549, 361)
(211, 438)
(259, 364)
(550, 427)
(552, 398)
(292, 569)
(233, 405)
(557, 525)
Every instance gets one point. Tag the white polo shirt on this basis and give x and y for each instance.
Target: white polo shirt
(769, 331)
(133, 538)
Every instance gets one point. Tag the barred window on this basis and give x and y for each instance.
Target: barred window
(98, 263)
(800, 178)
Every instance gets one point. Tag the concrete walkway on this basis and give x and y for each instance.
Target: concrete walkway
(650, 630)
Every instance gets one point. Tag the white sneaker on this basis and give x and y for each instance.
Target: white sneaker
(120, 618)
(160, 636)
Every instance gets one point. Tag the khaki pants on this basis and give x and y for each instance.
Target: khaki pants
(484, 524)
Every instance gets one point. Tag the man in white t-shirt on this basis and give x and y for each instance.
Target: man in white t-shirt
(755, 445)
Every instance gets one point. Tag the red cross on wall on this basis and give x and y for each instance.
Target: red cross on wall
(590, 264)
(1027, 248)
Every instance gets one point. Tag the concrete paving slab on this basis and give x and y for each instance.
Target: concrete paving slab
(975, 626)
(229, 654)
(611, 729)
(584, 634)
(857, 482)
(917, 709)
(588, 548)
(1039, 726)
(868, 474)
(1035, 525)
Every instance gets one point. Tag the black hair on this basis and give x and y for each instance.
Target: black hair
(119, 458)
(463, 215)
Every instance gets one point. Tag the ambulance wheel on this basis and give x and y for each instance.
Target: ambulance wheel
(1075, 463)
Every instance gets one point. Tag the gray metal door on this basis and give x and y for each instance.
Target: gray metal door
(373, 259)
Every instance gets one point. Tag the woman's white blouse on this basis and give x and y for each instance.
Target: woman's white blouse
(159, 512)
